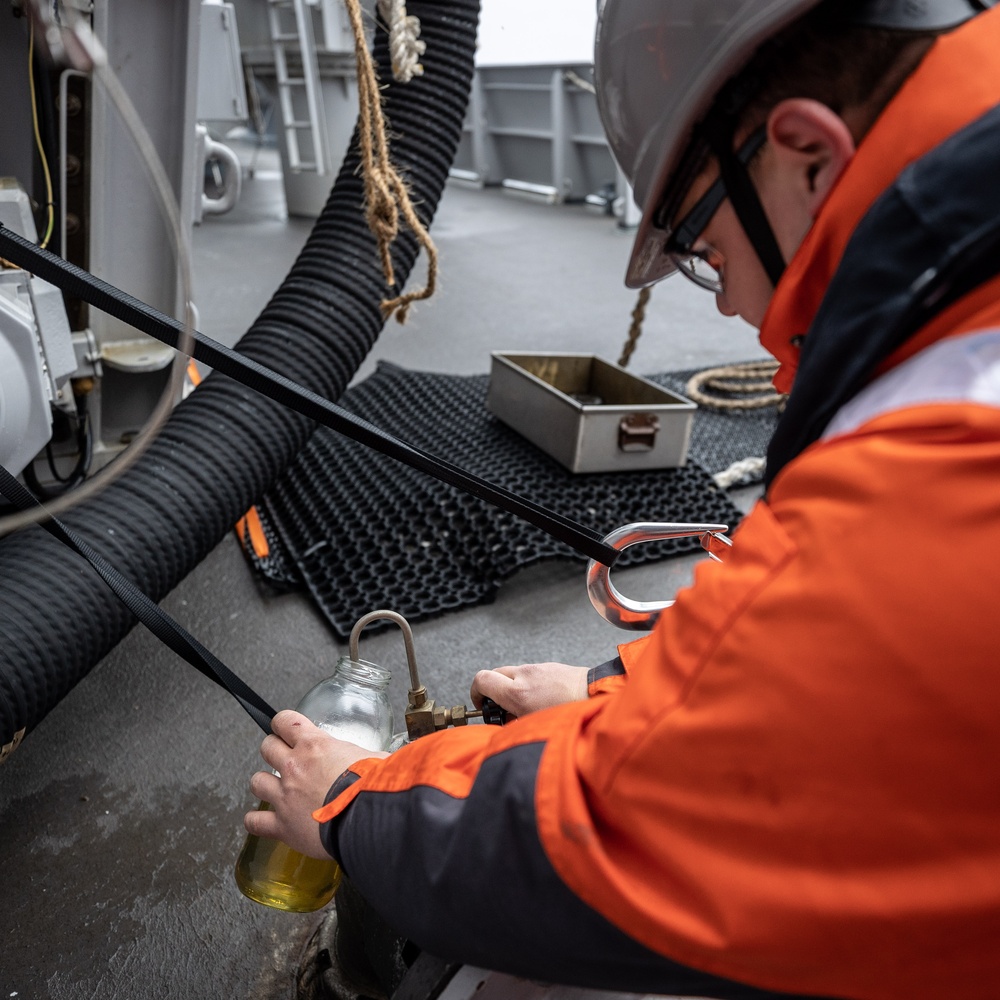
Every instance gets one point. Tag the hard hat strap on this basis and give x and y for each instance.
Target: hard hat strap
(905, 15)
(686, 231)
(718, 130)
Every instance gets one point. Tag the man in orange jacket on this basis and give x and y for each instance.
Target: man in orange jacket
(790, 786)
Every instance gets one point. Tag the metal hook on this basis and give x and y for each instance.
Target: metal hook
(617, 609)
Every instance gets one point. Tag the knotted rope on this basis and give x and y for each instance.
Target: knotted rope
(405, 46)
(386, 194)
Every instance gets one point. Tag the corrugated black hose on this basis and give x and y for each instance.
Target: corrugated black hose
(225, 445)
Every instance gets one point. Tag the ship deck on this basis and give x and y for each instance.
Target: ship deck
(120, 815)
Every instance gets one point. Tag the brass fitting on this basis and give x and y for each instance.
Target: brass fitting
(423, 716)
(421, 720)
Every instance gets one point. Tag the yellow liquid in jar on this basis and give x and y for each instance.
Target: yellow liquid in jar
(270, 872)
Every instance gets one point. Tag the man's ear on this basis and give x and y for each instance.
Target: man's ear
(812, 144)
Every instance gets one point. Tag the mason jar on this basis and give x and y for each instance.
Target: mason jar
(352, 705)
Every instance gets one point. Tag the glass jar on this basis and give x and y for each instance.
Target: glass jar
(352, 705)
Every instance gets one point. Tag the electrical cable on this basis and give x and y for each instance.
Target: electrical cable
(85, 457)
(50, 205)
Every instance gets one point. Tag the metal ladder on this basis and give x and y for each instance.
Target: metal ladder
(300, 41)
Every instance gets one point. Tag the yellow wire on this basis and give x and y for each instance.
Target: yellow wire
(38, 139)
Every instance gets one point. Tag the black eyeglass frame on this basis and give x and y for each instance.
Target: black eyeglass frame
(686, 233)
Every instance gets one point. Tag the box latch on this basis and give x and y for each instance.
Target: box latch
(637, 432)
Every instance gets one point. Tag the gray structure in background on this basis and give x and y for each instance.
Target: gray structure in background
(530, 128)
(222, 103)
(535, 129)
(303, 54)
(129, 240)
(109, 219)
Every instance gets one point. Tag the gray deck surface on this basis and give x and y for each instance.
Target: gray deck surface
(120, 815)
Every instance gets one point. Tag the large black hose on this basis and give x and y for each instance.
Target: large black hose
(224, 446)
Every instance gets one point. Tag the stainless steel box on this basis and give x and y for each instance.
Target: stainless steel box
(589, 414)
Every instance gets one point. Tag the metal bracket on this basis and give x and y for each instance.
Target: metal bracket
(637, 432)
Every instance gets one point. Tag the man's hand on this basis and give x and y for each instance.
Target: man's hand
(308, 760)
(530, 686)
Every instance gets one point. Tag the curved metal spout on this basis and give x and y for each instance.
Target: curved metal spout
(418, 693)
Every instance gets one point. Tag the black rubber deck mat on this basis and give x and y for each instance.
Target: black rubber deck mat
(363, 532)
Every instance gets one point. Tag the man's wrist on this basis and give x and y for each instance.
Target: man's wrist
(605, 676)
(329, 818)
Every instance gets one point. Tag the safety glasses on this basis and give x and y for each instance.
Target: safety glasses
(704, 265)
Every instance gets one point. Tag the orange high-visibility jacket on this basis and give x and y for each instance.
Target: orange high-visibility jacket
(794, 785)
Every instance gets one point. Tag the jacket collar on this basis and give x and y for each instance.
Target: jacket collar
(926, 249)
(945, 93)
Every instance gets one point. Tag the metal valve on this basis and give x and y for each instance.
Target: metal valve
(423, 716)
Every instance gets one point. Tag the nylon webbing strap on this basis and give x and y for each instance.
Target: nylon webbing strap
(147, 611)
(83, 285)
(743, 196)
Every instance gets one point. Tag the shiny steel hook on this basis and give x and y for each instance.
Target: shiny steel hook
(641, 616)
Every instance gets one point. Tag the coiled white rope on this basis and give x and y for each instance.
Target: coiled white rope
(745, 386)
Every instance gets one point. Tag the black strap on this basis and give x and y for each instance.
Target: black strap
(76, 282)
(148, 612)
(717, 129)
(905, 15)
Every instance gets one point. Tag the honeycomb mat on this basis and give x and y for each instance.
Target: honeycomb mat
(361, 531)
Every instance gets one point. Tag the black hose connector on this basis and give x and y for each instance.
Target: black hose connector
(493, 714)
(224, 446)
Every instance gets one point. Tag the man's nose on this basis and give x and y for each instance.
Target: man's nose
(722, 304)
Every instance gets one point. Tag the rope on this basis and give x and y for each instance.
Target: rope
(739, 381)
(748, 386)
(635, 330)
(405, 46)
(386, 194)
(749, 470)
(578, 81)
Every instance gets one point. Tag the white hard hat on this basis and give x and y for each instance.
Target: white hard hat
(659, 64)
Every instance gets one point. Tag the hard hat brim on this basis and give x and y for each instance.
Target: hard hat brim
(659, 66)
